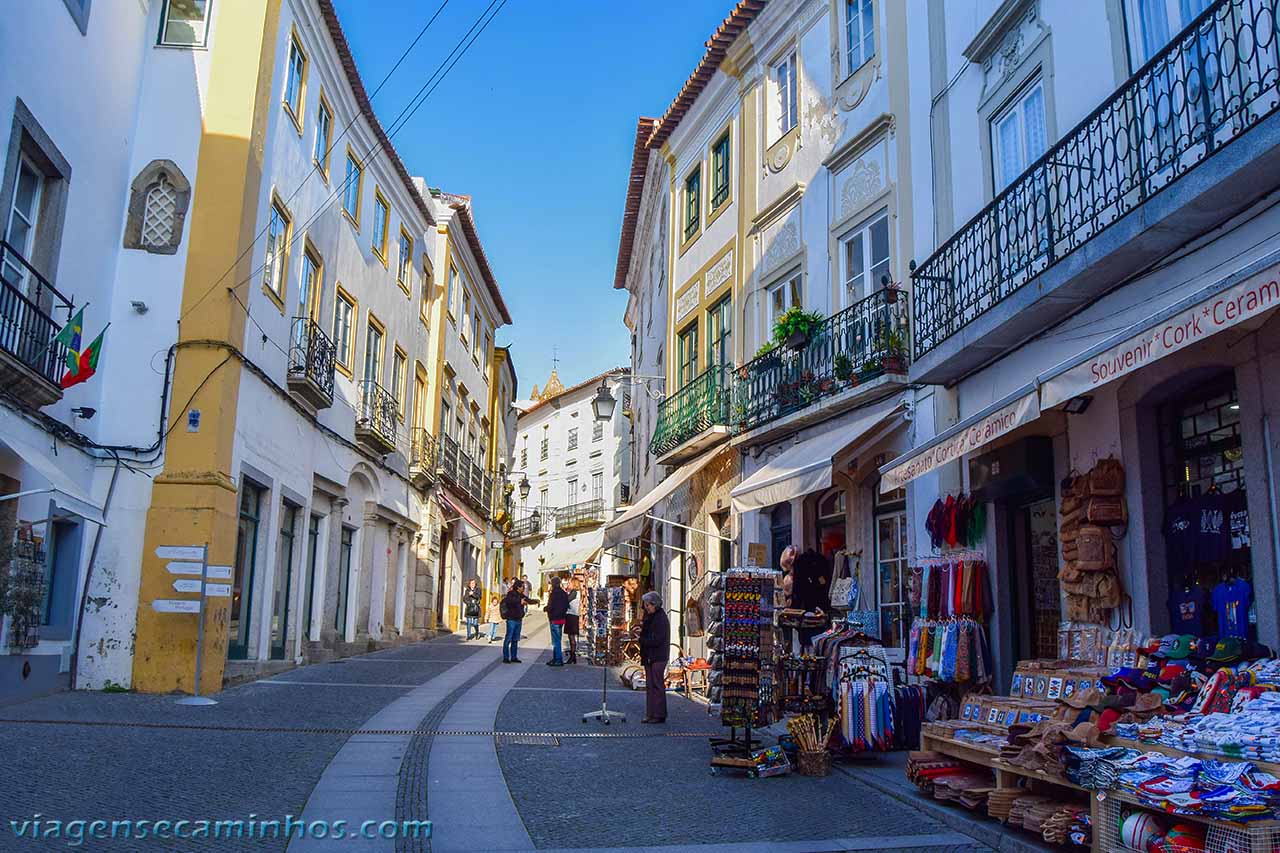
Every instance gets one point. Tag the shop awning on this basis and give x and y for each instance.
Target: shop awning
(630, 524)
(571, 553)
(806, 467)
(67, 495)
(457, 508)
(1003, 416)
(1249, 293)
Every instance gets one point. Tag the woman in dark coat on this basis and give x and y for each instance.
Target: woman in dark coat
(471, 601)
(655, 651)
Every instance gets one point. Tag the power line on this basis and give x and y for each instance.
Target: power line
(315, 169)
(420, 97)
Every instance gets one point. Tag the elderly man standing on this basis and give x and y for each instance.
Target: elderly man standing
(655, 651)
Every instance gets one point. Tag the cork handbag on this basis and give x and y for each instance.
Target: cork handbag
(1107, 478)
(1096, 551)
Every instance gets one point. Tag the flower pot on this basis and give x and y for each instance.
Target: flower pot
(891, 295)
(893, 364)
(797, 340)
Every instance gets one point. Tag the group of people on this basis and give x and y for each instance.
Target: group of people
(563, 609)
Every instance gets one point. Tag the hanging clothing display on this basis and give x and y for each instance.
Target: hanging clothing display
(954, 650)
(957, 521)
(954, 585)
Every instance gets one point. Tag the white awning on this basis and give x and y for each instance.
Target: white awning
(1004, 416)
(571, 552)
(806, 467)
(630, 524)
(67, 495)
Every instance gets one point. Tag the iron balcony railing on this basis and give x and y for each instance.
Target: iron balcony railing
(864, 341)
(1214, 81)
(312, 355)
(378, 411)
(28, 303)
(469, 479)
(527, 527)
(695, 408)
(580, 514)
(422, 451)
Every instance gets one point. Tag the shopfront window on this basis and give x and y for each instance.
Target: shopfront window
(246, 560)
(831, 520)
(283, 581)
(345, 546)
(1206, 524)
(891, 574)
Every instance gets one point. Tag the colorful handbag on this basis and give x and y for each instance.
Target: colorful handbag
(841, 588)
(859, 617)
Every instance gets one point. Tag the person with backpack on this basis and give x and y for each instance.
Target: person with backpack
(471, 598)
(512, 610)
(557, 608)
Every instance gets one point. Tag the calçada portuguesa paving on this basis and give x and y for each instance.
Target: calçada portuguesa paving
(497, 757)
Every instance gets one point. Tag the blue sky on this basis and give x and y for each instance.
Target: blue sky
(536, 123)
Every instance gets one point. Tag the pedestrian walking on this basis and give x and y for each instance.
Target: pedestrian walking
(557, 608)
(493, 616)
(471, 598)
(571, 618)
(655, 651)
(512, 610)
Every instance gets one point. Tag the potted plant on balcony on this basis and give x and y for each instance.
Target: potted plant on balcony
(893, 348)
(796, 326)
(842, 367)
(766, 358)
(891, 291)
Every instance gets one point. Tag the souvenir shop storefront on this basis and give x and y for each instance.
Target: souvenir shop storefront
(1124, 693)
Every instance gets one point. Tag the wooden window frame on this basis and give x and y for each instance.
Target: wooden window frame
(353, 216)
(316, 298)
(713, 209)
(404, 263)
(346, 368)
(280, 267)
(371, 320)
(688, 206)
(203, 44)
(400, 383)
(380, 252)
(295, 113)
(323, 105)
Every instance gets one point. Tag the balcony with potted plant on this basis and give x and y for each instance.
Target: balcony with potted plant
(814, 367)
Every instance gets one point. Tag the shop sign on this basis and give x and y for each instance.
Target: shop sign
(1232, 306)
(973, 436)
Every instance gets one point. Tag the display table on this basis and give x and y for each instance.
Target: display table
(1253, 836)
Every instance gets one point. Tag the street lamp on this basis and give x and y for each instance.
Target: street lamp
(524, 488)
(604, 403)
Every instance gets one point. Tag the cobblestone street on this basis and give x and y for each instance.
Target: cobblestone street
(534, 777)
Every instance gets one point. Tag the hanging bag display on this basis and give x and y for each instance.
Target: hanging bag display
(1107, 478)
(1108, 510)
(1096, 551)
(841, 588)
(859, 617)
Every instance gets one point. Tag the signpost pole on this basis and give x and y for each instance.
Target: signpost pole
(195, 698)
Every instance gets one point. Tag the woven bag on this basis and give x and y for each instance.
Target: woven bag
(1096, 550)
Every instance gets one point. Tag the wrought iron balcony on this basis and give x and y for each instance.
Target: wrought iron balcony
(580, 515)
(699, 407)
(528, 527)
(422, 457)
(311, 360)
(376, 423)
(31, 362)
(866, 341)
(1214, 82)
(469, 480)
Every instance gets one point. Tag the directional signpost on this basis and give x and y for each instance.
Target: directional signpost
(188, 561)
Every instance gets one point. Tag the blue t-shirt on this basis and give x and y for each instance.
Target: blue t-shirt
(1231, 600)
(1187, 608)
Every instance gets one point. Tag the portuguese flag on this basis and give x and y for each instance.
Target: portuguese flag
(83, 364)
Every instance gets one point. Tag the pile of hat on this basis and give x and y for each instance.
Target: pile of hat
(1039, 746)
(1056, 821)
(969, 789)
(1139, 830)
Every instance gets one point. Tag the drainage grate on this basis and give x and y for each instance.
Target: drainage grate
(528, 740)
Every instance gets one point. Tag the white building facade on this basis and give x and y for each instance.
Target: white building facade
(570, 460)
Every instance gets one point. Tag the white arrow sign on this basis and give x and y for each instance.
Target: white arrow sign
(180, 552)
(175, 605)
(217, 590)
(184, 568)
(186, 585)
(218, 573)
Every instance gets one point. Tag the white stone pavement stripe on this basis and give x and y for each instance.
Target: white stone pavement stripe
(406, 660)
(361, 781)
(480, 814)
(333, 683)
(880, 842)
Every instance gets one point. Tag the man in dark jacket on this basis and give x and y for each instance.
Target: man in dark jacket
(471, 608)
(512, 611)
(557, 607)
(655, 651)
